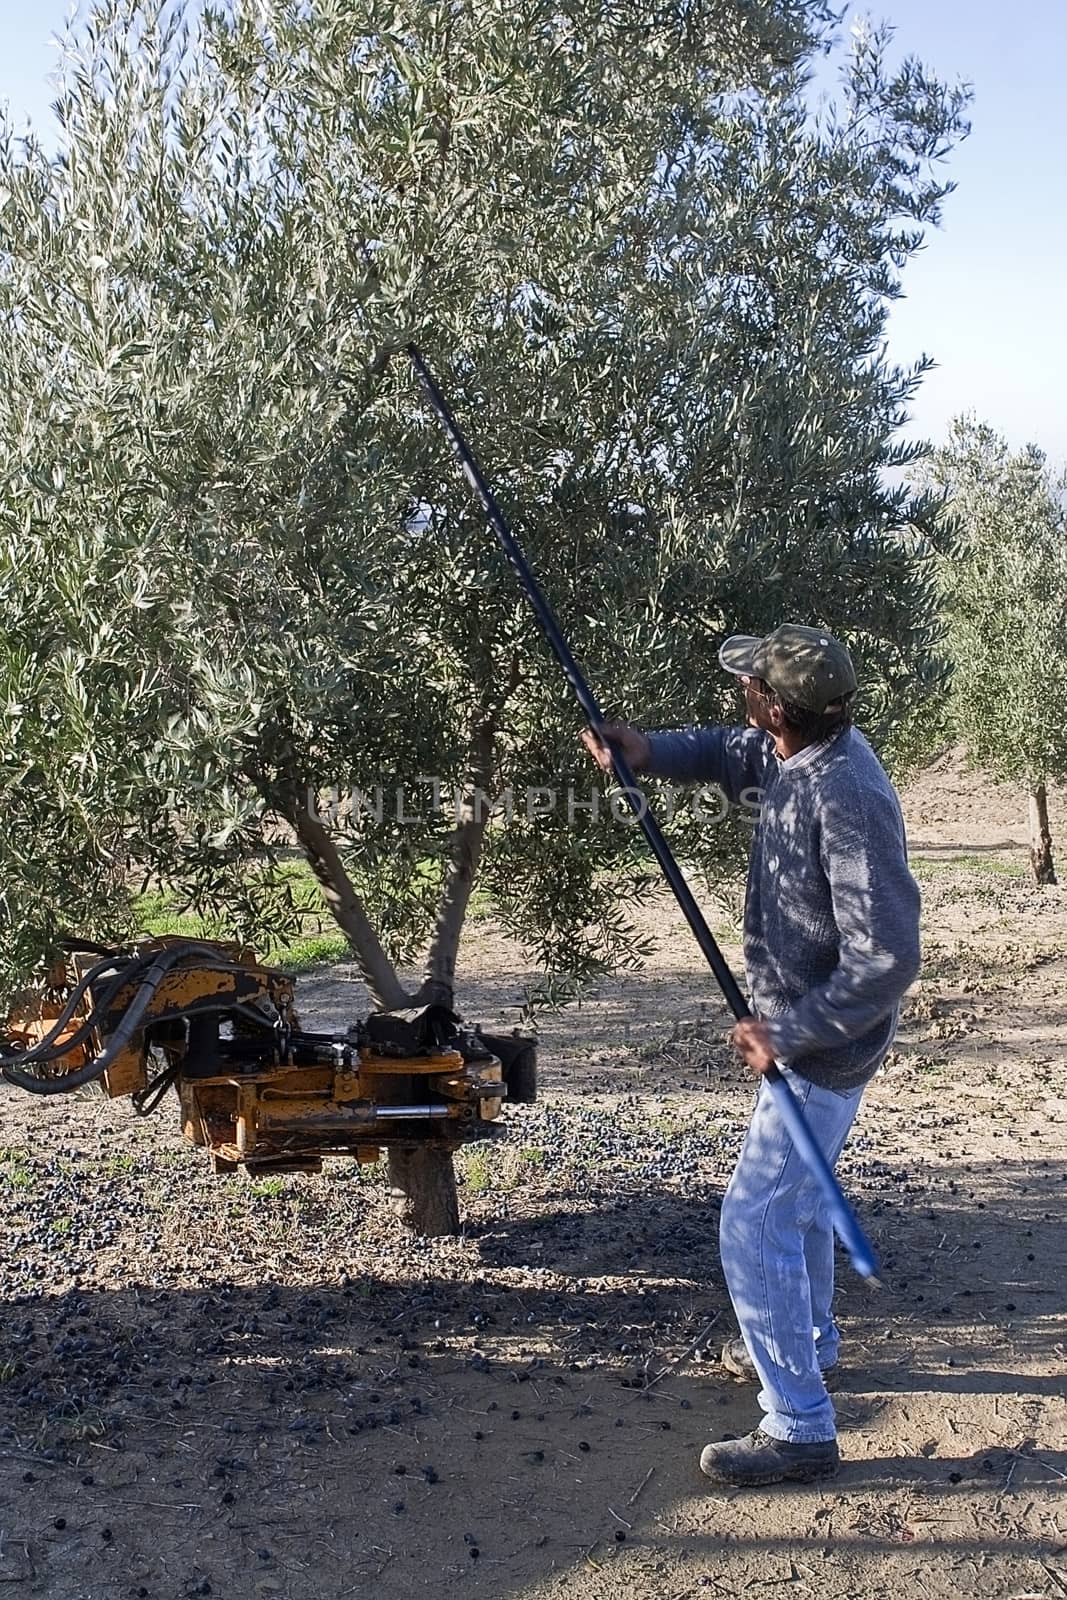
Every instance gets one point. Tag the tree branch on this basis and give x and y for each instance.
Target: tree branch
(341, 897)
(440, 973)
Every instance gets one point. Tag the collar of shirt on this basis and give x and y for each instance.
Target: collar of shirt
(810, 754)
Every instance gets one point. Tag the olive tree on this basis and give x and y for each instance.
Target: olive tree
(239, 575)
(1005, 584)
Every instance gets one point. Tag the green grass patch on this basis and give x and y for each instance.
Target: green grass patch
(499, 1169)
(117, 1166)
(669, 1126)
(987, 866)
(267, 1188)
(159, 912)
(480, 905)
(311, 951)
(477, 1171)
(15, 1170)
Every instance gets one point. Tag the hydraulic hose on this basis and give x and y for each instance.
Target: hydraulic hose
(157, 968)
(51, 1046)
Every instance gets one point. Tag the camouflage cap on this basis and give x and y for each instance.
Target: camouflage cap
(804, 665)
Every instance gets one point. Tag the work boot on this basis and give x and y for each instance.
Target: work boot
(757, 1458)
(739, 1364)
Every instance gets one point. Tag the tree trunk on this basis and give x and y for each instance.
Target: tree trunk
(423, 1189)
(439, 980)
(1040, 837)
(341, 897)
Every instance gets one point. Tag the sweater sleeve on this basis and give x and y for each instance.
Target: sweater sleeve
(875, 903)
(736, 759)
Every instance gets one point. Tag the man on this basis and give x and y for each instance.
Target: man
(831, 939)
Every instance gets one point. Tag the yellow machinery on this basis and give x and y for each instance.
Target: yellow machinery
(255, 1088)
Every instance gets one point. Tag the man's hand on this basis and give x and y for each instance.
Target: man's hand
(751, 1040)
(631, 743)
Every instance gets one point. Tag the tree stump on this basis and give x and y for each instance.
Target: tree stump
(422, 1184)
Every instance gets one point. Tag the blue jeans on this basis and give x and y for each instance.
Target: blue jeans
(777, 1247)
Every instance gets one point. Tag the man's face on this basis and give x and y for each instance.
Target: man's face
(758, 703)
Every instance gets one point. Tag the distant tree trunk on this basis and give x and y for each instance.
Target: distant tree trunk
(440, 973)
(1040, 837)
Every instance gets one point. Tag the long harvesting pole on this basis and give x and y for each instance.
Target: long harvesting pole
(852, 1236)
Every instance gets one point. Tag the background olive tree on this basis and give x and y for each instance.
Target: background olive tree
(236, 564)
(1005, 582)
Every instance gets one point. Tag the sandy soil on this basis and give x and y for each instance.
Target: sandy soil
(215, 1387)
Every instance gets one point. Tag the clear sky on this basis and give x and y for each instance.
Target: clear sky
(988, 296)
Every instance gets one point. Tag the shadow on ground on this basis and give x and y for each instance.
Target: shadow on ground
(490, 1432)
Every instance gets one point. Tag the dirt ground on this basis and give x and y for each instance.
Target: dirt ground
(212, 1386)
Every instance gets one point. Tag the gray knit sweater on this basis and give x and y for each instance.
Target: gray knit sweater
(831, 910)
